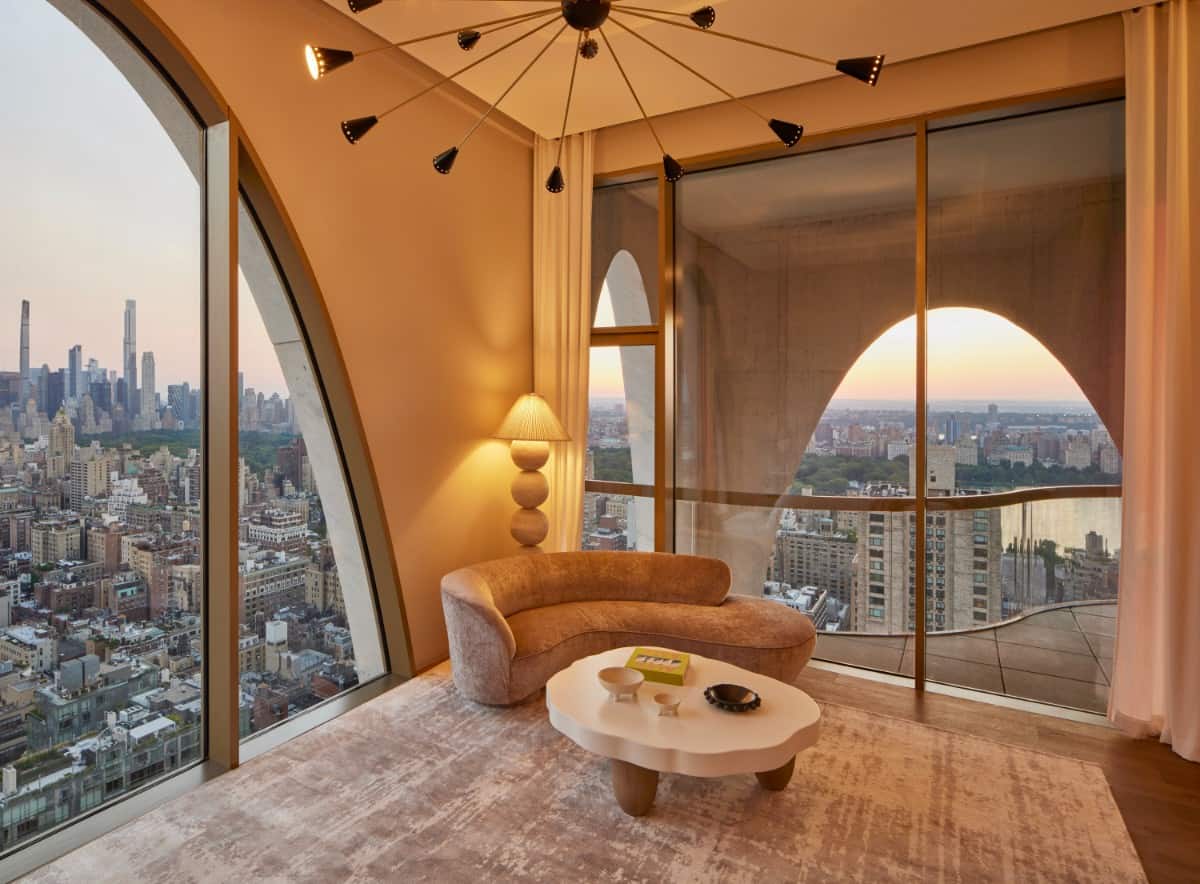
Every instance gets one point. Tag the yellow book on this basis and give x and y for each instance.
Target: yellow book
(665, 667)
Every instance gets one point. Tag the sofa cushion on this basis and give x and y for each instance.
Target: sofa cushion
(755, 634)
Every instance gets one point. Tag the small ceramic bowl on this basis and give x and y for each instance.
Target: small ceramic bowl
(620, 682)
(668, 704)
(732, 697)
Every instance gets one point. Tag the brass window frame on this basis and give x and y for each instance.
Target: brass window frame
(920, 503)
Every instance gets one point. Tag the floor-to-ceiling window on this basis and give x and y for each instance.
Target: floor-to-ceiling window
(1025, 386)
(618, 503)
(307, 625)
(101, 582)
(181, 555)
(946, 292)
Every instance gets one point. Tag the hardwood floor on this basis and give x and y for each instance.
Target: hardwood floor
(1157, 791)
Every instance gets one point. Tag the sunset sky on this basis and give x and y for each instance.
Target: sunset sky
(91, 219)
(973, 354)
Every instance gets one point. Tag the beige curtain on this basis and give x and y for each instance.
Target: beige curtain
(1156, 678)
(562, 320)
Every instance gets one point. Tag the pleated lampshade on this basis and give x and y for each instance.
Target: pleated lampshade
(531, 420)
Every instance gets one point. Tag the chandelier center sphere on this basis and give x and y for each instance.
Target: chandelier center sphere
(586, 15)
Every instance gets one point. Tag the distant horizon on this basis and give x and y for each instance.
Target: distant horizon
(1022, 406)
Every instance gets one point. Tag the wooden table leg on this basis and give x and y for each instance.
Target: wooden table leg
(776, 780)
(634, 787)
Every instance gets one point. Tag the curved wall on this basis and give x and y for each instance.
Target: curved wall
(426, 278)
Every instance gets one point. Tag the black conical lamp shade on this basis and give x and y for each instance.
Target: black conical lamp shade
(788, 133)
(555, 183)
(321, 60)
(865, 69)
(704, 17)
(468, 39)
(355, 129)
(444, 161)
(671, 167)
(360, 5)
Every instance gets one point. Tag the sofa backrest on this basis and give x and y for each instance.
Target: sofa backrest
(537, 580)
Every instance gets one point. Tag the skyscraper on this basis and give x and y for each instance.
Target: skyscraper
(74, 371)
(149, 405)
(26, 385)
(62, 446)
(129, 357)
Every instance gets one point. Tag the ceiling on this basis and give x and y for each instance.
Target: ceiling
(902, 29)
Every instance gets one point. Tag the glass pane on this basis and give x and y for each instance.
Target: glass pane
(621, 415)
(620, 447)
(851, 572)
(625, 255)
(308, 625)
(1027, 298)
(618, 522)
(1026, 598)
(796, 347)
(100, 585)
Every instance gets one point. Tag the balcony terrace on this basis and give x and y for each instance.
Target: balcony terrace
(1059, 654)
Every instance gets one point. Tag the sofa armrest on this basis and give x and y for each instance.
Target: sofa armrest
(482, 645)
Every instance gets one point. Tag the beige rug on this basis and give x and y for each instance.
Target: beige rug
(419, 785)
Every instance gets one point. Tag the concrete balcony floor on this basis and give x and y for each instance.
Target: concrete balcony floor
(1060, 655)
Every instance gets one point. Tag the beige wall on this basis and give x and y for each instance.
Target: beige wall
(426, 277)
(1073, 55)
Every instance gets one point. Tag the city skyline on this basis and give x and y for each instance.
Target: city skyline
(252, 336)
(63, 251)
(973, 356)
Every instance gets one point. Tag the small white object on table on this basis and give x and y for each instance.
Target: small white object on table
(700, 740)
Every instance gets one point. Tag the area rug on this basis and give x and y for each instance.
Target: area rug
(420, 785)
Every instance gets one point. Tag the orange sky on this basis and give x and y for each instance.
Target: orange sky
(973, 354)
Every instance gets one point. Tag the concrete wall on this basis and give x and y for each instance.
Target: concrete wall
(1073, 55)
(426, 277)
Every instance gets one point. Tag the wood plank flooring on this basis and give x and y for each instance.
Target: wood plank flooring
(1157, 791)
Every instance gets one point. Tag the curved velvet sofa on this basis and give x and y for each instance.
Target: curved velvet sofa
(515, 622)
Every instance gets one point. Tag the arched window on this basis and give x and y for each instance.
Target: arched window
(314, 628)
(182, 558)
(621, 407)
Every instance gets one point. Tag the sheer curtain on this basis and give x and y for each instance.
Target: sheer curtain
(562, 319)
(1156, 678)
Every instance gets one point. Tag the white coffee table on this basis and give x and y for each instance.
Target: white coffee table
(701, 741)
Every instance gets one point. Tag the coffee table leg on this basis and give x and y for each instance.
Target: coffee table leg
(634, 787)
(776, 780)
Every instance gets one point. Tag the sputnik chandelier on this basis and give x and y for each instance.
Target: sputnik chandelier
(585, 17)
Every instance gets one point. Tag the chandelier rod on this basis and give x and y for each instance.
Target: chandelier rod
(690, 69)
(645, 9)
(463, 70)
(513, 84)
(735, 38)
(632, 91)
(570, 91)
(506, 22)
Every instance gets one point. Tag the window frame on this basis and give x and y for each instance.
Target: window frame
(660, 336)
(921, 504)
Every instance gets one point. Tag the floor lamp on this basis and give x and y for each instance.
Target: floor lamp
(530, 427)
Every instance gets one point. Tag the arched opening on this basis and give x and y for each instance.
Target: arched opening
(979, 360)
(622, 385)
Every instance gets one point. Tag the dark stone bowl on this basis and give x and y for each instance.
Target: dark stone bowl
(732, 697)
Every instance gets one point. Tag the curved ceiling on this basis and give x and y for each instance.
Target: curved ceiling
(846, 28)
